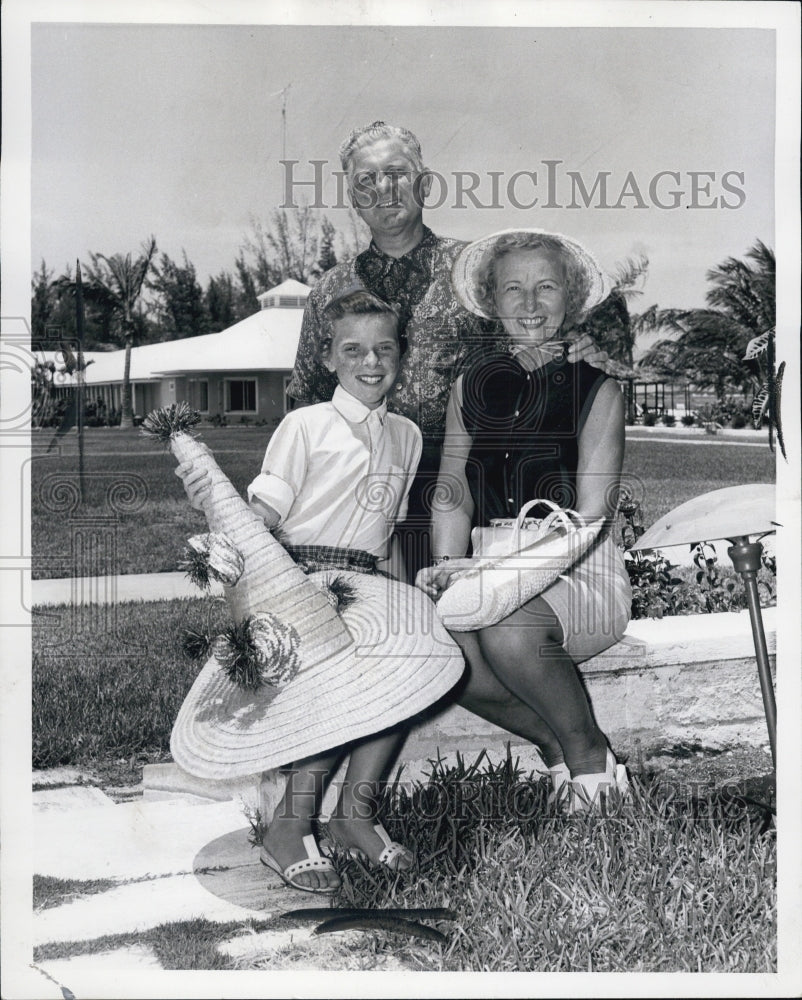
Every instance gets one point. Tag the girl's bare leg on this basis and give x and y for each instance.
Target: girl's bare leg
(292, 820)
(354, 818)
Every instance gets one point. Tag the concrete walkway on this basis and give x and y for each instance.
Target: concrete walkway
(177, 858)
(119, 588)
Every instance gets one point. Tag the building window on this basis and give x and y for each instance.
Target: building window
(241, 395)
(199, 394)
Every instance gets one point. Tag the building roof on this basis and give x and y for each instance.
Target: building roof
(265, 341)
(290, 287)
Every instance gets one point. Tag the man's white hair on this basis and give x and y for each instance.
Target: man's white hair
(379, 130)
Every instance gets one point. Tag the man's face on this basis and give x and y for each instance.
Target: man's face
(387, 189)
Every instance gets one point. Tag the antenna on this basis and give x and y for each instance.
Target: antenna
(284, 121)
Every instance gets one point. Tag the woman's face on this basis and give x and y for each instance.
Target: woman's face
(530, 295)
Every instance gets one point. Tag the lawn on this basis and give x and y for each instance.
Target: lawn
(141, 517)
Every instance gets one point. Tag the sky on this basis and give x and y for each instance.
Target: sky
(176, 130)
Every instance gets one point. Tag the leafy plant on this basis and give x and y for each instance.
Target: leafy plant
(688, 419)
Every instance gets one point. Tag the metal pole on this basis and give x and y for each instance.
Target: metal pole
(745, 556)
(79, 372)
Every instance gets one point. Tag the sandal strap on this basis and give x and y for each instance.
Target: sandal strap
(312, 862)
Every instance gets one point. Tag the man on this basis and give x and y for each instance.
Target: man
(408, 265)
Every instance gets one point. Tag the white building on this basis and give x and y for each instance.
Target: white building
(241, 372)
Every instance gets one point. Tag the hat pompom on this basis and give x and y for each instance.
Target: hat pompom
(212, 556)
(259, 650)
(170, 420)
(340, 593)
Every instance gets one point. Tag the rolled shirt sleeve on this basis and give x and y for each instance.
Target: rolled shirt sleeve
(284, 467)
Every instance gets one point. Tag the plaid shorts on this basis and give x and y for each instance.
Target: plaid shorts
(315, 558)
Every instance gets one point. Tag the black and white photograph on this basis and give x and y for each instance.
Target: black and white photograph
(400, 443)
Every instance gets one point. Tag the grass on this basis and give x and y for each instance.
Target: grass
(184, 944)
(108, 682)
(49, 891)
(142, 517)
(666, 882)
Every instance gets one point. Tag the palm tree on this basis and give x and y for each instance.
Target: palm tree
(610, 323)
(118, 281)
(709, 344)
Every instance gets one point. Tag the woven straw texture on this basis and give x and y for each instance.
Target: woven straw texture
(401, 661)
(495, 587)
(270, 580)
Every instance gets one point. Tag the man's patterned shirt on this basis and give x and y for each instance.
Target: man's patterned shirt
(440, 332)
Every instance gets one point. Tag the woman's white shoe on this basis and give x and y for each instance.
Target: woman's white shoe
(588, 790)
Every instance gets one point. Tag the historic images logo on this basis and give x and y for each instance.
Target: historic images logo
(551, 185)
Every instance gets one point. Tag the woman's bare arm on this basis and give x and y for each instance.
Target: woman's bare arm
(601, 454)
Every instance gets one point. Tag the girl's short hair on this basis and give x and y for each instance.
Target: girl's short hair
(577, 282)
(358, 302)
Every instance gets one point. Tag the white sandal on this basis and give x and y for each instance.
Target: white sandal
(588, 790)
(394, 856)
(314, 861)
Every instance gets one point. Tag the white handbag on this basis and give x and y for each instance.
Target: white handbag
(514, 560)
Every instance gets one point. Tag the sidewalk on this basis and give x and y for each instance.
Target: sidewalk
(176, 859)
(113, 589)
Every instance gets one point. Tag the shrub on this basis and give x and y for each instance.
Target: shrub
(649, 418)
(738, 421)
(688, 419)
(669, 419)
(218, 420)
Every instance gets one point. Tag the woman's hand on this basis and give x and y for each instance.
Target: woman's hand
(197, 484)
(433, 580)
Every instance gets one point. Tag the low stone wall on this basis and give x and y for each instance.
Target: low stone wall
(688, 680)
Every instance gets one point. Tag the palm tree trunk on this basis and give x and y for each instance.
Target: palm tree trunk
(127, 419)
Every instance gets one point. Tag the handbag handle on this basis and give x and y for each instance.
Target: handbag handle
(558, 514)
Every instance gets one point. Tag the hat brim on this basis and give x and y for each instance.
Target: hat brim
(465, 269)
(493, 587)
(401, 661)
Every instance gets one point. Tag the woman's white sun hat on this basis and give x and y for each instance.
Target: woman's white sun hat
(465, 270)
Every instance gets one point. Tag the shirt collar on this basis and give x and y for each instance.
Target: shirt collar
(354, 410)
(418, 258)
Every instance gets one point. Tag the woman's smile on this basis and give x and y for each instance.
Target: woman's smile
(530, 295)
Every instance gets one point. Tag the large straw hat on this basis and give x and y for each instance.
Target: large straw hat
(465, 270)
(400, 661)
(312, 661)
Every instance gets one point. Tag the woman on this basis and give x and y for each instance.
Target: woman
(522, 425)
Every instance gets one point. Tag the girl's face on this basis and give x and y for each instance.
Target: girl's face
(530, 296)
(365, 355)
